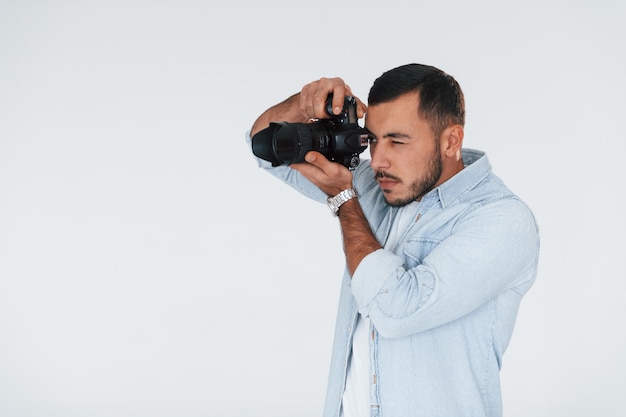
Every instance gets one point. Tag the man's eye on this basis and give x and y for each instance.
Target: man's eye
(367, 140)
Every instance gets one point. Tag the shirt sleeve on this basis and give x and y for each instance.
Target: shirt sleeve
(493, 248)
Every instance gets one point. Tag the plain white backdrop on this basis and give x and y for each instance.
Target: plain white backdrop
(148, 268)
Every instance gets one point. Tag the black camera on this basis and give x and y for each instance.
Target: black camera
(339, 138)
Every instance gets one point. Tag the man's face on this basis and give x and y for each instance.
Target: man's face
(405, 155)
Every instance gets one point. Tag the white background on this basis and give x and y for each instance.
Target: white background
(148, 268)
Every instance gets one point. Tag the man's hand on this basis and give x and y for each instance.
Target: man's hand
(309, 103)
(313, 98)
(331, 177)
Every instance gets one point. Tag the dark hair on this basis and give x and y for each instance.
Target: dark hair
(441, 101)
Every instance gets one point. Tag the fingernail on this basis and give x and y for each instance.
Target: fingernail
(337, 110)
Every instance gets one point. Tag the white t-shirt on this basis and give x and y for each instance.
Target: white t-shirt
(356, 396)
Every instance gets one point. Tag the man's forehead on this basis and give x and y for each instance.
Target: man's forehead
(402, 108)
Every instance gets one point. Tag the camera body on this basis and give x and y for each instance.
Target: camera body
(339, 138)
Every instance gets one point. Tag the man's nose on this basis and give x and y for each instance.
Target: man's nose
(379, 160)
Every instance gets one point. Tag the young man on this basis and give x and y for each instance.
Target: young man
(439, 252)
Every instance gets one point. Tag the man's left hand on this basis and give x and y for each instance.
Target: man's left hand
(331, 177)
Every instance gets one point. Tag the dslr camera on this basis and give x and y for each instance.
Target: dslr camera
(339, 138)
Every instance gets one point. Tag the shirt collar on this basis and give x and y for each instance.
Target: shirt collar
(477, 167)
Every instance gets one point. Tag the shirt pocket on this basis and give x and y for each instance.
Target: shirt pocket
(417, 248)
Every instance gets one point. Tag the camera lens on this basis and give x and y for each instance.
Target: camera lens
(263, 145)
(286, 143)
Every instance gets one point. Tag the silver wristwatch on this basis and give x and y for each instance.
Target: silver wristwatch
(335, 202)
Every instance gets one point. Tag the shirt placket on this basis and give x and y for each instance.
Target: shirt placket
(374, 391)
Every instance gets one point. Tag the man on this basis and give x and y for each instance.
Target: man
(439, 252)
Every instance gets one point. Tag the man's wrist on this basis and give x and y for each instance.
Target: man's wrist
(334, 203)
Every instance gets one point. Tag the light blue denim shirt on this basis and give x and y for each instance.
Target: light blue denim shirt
(443, 302)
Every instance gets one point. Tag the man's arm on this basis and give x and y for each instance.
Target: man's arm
(332, 178)
(286, 111)
(358, 238)
(492, 252)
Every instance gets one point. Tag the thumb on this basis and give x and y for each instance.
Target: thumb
(317, 159)
(310, 157)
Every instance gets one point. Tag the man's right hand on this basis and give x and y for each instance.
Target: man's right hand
(313, 98)
(309, 103)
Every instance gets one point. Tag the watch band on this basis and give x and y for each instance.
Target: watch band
(335, 202)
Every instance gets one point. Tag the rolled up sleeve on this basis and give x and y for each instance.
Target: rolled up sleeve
(492, 249)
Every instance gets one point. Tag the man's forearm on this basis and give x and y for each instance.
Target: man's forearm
(358, 238)
(285, 111)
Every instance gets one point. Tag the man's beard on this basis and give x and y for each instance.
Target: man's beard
(422, 185)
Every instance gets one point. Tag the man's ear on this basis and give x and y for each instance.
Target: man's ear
(452, 140)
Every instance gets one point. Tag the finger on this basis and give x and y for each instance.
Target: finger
(361, 108)
(315, 167)
(313, 99)
(309, 171)
(317, 159)
(339, 93)
(335, 86)
(319, 95)
(306, 104)
(314, 96)
(331, 171)
(330, 177)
